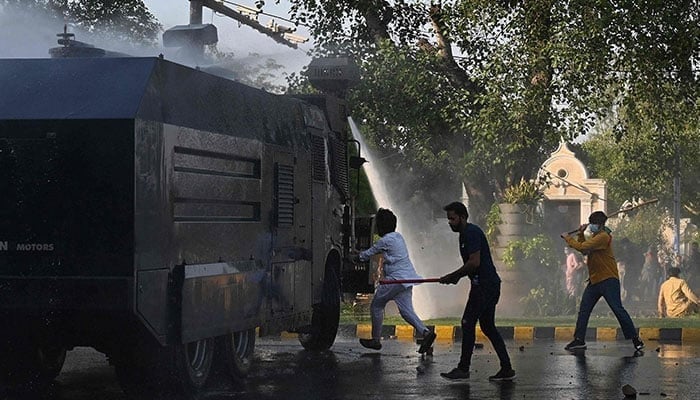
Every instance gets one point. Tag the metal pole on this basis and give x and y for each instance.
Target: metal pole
(397, 281)
(197, 49)
(195, 12)
(677, 202)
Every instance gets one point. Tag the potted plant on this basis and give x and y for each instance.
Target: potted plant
(520, 200)
(523, 193)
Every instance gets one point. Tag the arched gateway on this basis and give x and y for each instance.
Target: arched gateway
(572, 196)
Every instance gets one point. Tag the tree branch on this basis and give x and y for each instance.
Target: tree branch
(455, 73)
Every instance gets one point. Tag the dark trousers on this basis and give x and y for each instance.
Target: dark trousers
(481, 307)
(608, 289)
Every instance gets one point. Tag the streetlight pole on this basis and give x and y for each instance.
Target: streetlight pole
(677, 201)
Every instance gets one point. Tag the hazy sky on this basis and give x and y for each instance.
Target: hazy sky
(241, 40)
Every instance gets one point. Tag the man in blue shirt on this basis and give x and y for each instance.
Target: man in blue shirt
(397, 266)
(483, 295)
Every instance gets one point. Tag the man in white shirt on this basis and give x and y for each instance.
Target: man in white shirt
(397, 266)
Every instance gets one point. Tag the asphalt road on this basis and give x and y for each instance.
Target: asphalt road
(283, 370)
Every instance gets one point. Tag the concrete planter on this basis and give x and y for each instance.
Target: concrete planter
(512, 213)
(510, 229)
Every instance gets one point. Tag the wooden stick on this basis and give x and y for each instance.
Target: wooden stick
(646, 203)
(396, 281)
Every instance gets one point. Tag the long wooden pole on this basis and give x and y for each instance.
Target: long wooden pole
(396, 281)
(646, 203)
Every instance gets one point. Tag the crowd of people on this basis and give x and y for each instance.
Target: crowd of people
(592, 270)
(650, 278)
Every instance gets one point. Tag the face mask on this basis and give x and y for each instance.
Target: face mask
(594, 227)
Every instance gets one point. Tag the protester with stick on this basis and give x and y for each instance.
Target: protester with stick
(397, 266)
(483, 295)
(604, 280)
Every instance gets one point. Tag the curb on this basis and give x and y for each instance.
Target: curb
(447, 333)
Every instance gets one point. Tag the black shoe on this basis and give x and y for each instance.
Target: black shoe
(374, 344)
(503, 375)
(428, 340)
(455, 375)
(638, 344)
(576, 344)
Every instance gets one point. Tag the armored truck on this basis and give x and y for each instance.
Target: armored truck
(166, 217)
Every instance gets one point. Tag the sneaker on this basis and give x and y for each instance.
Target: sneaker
(428, 340)
(576, 344)
(503, 375)
(455, 375)
(638, 344)
(374, 344)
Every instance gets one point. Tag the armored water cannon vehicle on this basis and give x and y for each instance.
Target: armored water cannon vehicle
(163, 216)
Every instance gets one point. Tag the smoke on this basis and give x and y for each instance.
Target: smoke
(431, 244)
(29, 31)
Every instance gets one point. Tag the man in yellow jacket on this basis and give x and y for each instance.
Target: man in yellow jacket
(603, 280)
(675, 297)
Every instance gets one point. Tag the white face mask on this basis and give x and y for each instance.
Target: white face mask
(594, 227)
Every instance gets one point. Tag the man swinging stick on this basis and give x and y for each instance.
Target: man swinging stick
(604, 280)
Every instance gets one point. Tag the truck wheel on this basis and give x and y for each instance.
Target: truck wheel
(147, 371)
(30, 368)
(236, 353)
(193, 362)
(326, 315)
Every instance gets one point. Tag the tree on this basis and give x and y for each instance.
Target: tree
(256, 71)
(122, 20)
(482, 91)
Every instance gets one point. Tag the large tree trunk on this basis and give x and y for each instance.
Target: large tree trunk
(480, 200)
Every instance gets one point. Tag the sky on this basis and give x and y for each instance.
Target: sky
(241, 40)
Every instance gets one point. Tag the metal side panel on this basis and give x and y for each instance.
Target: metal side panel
(219, 298)
(152, 302)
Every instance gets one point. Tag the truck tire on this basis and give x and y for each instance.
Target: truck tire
(235, 353)
(326, 315)
(148, 371)
(193, 363)
(26, 367)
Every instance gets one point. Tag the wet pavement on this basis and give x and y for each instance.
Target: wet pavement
(283, 370)
(544, 371)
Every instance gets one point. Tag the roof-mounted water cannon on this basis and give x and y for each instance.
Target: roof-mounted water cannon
(333, 74)
(71, 48)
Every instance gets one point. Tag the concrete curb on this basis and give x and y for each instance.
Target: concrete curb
(447, 333)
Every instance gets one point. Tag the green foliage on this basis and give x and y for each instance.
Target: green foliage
(487, 117)
(538, 259)
(127, 20)
(493, 219)
(538, 251)
(644, 226)
(548, 300)
(256, 71)
(643, 164)
(528, 192)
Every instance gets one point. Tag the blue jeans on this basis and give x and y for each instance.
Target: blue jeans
(609, 289)
(481, 307)
(403, 297)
